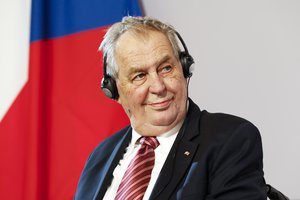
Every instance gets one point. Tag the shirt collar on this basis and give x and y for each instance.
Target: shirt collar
(136, 136)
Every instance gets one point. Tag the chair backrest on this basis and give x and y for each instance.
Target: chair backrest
(274, 194)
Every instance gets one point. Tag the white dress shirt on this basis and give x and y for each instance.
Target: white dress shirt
(166, 141)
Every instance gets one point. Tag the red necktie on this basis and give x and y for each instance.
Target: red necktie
(137, 176)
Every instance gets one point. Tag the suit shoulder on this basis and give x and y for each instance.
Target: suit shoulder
(109, 143)
(222, 119)
(214, 123)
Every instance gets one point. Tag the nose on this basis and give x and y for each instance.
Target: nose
(157, 84)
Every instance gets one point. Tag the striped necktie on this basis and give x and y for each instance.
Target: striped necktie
(137, 176)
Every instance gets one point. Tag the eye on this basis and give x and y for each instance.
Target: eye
(138, 77)
(166, 69)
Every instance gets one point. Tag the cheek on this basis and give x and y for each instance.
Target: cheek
(139, 95)
(131, 95)
(177, 84)
(124, 92)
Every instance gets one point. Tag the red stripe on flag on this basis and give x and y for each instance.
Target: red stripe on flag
(64, 116)
(13, 148)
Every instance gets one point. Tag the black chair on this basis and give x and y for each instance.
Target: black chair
(274, 194)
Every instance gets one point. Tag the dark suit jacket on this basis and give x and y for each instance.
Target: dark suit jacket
(215, 156)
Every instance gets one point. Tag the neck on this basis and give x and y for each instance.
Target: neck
(150, 130)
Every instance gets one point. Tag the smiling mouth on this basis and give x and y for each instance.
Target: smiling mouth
(161, 104)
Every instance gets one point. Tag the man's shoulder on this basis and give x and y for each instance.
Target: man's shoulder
(106, 147)
(215, 120)
(222, 119)
(113, 139)
(222, 125)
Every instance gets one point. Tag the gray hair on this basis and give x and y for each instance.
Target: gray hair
(138, 25)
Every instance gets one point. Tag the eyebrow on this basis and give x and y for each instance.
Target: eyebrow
(163, 60)
(157, 63)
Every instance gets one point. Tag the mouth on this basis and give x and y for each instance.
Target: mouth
(161, 105)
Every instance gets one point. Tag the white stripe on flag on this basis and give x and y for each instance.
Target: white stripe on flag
(14, 49)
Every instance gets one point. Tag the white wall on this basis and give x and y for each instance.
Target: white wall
(247, 57)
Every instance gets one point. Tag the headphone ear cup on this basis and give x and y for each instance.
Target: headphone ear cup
(186, 61)
(109, 87)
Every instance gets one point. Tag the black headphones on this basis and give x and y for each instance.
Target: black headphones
(108, 84)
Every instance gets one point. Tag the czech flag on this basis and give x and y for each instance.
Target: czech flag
(59, 113)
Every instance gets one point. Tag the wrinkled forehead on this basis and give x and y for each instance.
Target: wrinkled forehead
(149, 44)
(139, 54)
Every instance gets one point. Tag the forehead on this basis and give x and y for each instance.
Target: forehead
(136, 48)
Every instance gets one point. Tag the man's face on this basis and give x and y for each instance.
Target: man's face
(151, 85)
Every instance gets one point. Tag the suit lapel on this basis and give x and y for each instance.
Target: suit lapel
(180, 156)
(112, 162)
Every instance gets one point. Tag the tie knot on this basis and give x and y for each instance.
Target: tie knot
(151, 141)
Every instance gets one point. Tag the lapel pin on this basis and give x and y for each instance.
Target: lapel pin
(187, 153)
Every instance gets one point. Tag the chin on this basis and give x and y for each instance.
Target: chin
(164, 120)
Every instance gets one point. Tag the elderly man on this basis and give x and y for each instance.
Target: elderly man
(172, 149)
